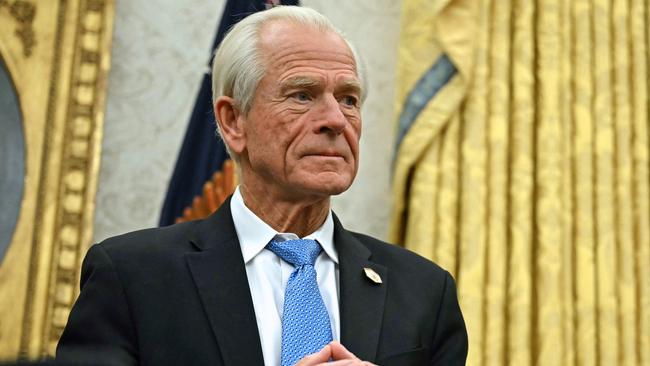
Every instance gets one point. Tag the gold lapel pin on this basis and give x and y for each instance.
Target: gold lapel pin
(372, 275)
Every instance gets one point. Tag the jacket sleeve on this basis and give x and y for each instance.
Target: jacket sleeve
(100, 329)
(450, 338)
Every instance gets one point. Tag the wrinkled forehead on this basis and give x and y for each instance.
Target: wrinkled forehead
(281, 41)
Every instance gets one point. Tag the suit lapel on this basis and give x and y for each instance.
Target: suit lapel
(362, 301)
(219, 273)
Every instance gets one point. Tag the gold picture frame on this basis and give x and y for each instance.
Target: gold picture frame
(57, 53)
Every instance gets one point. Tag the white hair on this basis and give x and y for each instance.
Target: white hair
(238, 66)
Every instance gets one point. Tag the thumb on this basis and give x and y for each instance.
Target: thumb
(316, 358)
(339, 352)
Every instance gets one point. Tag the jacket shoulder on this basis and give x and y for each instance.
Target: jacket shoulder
(398, 258)
(150, 242)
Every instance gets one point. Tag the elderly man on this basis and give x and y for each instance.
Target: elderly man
(272, 277)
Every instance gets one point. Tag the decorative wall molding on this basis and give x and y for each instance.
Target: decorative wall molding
(62, 90)
(77, 178)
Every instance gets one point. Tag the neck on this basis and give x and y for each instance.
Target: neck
(286, 216)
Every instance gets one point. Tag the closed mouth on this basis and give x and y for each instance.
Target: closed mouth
(327, 155)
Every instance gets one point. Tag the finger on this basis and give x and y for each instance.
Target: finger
(317, 358)
(339, 352)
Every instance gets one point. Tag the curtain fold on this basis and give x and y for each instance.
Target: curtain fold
(525, 172)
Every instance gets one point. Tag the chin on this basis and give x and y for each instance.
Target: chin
(324, 183)
(331, 187)
(335, 191)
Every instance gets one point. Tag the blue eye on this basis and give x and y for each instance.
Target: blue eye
(301, 96)
(349, 101)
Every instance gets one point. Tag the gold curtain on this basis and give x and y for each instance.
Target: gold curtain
(527, 174)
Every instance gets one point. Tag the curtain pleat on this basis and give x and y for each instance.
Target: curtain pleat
(640, 37)
(626, 288)
(567, 246)
(582, 189)
(527, 175)
(472, 278)
(548, 235)
(445, 248)
(521, 189)
(497, 179)
(606, 256)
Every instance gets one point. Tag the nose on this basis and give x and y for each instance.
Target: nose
(331, 119)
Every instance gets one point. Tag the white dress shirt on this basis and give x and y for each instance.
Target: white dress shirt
(268, 274)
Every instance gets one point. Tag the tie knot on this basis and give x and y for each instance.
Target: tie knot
(297, 252)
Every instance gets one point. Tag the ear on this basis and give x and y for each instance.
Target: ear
(229, 119)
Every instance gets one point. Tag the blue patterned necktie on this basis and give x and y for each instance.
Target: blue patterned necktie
(305, 323)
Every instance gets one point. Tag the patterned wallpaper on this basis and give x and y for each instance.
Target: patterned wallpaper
(159, 55)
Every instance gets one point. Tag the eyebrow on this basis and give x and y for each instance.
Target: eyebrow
(350, 86)
(303, 82)
(299, 82)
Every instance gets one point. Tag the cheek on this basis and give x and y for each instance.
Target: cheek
(353, 138)
(294, 136)
(260, 144)
(271, 144)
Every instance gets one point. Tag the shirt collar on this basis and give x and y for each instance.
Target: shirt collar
(254, 234)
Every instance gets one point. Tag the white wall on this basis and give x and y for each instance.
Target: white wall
(160, 49)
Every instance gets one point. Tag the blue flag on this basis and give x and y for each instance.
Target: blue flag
(202, 152)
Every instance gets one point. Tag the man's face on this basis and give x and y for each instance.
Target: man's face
(302, 132)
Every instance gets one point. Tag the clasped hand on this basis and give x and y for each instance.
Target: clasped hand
(335, 351)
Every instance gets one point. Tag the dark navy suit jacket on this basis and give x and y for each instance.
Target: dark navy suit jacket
(179, 295)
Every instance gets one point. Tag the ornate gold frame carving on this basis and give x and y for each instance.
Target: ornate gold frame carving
(23, 12)
(61, 81)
